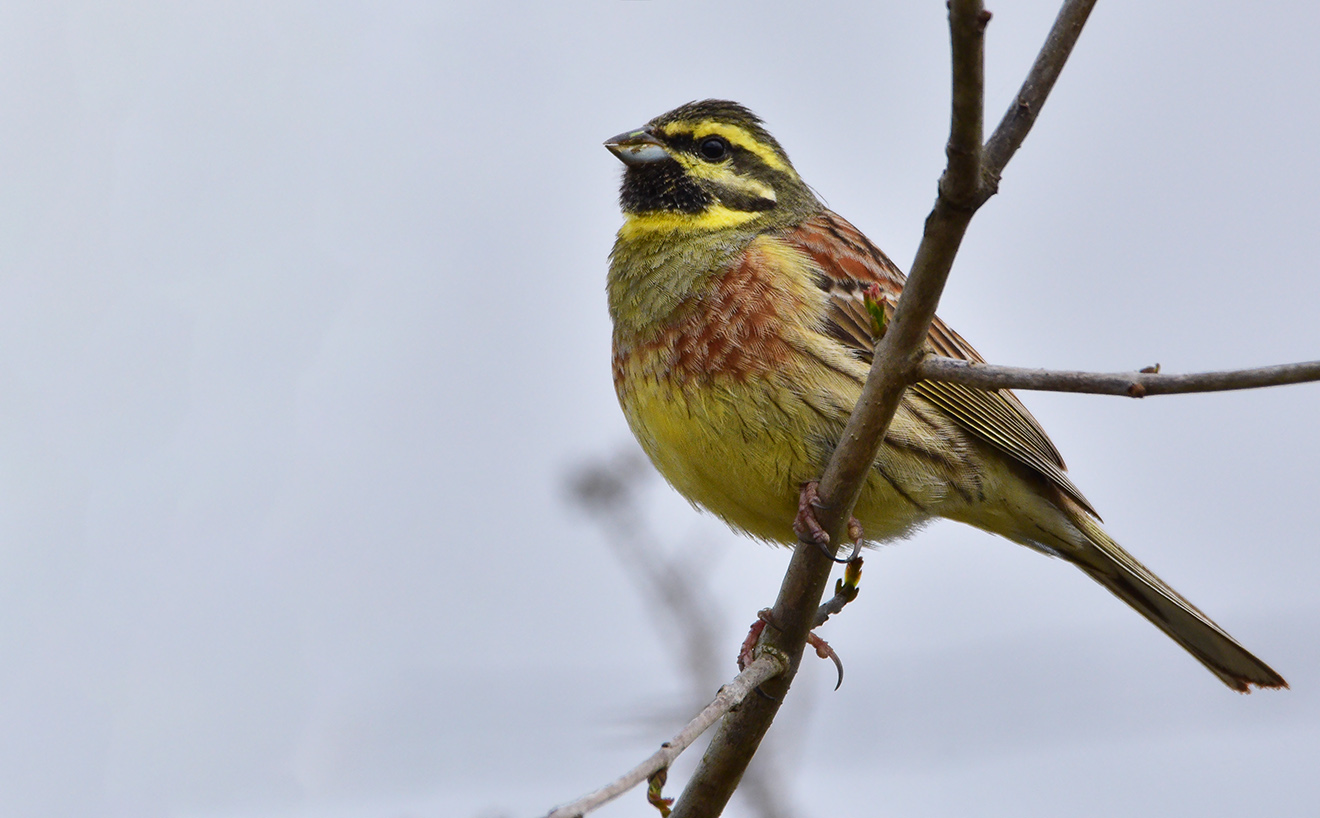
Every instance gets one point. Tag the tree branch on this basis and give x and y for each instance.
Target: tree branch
(730, 696)
(1130, 384)
(962, 177)
(736, 740)
(971, 177)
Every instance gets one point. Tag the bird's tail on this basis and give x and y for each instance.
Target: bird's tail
(1108, 564)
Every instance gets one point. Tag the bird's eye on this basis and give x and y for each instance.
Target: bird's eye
(714, 149)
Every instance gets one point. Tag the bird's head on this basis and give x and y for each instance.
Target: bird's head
(707, 166)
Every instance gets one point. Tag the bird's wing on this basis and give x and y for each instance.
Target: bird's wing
(851, 267)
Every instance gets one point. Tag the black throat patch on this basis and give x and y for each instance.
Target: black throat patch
(662, 186)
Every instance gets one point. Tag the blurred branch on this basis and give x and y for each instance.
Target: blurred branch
(1132, 384)
(606, 490)
(729, 697)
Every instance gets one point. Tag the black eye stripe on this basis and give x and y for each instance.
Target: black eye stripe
(691, 143)
(743, 200)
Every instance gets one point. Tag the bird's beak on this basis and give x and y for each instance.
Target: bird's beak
(637, 148)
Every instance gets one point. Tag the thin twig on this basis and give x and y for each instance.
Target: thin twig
(766, 666)
(1129, 384)
(845, 591)
(1022, 113)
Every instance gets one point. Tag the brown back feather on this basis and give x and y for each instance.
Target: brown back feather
(849, 263)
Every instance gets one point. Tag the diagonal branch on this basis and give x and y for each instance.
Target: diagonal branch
(739, 735)
(1021, 115)
(1131, 384)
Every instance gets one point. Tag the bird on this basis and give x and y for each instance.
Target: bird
(745, 317)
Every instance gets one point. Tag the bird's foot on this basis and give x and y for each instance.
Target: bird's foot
(806, 526)
(748, 651)
(824, 651)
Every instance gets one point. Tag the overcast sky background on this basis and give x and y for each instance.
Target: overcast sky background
(302, 325)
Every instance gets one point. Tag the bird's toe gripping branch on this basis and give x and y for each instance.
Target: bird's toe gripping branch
(748, 651)
(806, 525)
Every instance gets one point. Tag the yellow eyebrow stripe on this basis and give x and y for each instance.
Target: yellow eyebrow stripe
(721, 175)
(735, 135)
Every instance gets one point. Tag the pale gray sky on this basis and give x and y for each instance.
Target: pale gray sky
(302, 324)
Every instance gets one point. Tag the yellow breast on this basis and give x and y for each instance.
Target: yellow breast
(740, 398)
(735, 448)
(722, 397)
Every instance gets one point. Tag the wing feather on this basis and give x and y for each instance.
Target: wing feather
(849, 263)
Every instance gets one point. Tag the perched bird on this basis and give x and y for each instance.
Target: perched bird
(745, 316)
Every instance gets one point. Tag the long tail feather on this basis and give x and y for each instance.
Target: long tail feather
(1107, 563)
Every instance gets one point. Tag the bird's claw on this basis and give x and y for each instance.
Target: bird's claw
(748, 651)
(806, 526)
(824, 651)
